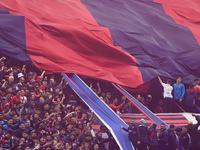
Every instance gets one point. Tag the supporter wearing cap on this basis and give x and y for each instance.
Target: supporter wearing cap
(30, 76)
(7, 108)
(6, 144)
(19, 75)
(3, 103)
(39, 80)
(32, 81)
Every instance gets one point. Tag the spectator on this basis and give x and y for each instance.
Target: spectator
(127, 108)
(83, 135)
(11, 114)
(114, 107)
(105, 135)
(184, 138)
(193, 132)
(107, 98)
(159, 107)
(143, 135)
(16, 98)
(40, 113)
(162, 138)
(196, 81)
(179, 92)
(172, 145)
(133, 133)
(167, 95)
(197, 90)
(152, 137)
(189, 102)
(100, 141)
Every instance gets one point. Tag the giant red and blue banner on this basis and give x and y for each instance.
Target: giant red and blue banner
(128, 42)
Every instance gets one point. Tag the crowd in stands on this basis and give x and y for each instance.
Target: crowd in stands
(142, 137)
(41, 112)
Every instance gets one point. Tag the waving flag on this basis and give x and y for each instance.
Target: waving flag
(127, 42)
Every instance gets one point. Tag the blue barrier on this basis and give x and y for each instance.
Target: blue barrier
(103, 112)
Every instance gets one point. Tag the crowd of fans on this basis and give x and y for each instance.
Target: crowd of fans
(141, 136)
(42, 112)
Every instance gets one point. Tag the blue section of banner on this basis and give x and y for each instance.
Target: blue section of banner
(12, 36)
(143, 29)
(105, 114)
(144, 110)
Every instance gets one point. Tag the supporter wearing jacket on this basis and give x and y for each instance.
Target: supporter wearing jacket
(184, 138)
(197, 90)
(189, 102)
(193, 132)
(114, 103)
(172, 138)
(142, 128)
(152, 137)
(70, 139)
(179, 89)
(133, 133)
(179, 92)
(162, 138)
(16, 98)
(127, 108)
(98, 140)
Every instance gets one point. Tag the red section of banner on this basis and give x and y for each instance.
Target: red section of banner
(184, 12)
(63, 37)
